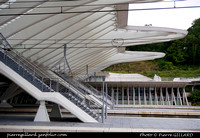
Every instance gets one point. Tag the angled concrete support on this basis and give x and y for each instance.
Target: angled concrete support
(150, 97)
(179, 101)
(56, 112)
(145, 101)
(185, 98)
(156, 97)
(173, 98)
(161, 97)
(6, 95)
(4, 104)
(42, 114)
(139, 96)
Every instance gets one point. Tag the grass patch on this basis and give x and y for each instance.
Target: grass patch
(150, 68)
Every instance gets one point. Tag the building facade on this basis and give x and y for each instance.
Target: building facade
(141, 90)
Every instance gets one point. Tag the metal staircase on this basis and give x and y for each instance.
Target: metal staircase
(36, 76)
(85, 90)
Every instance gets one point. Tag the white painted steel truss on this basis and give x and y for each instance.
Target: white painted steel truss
(94, 39)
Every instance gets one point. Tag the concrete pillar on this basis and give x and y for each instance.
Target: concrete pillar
(185, 97)
(150, 97)
(133, 96)
(122, 95)
(4, 104)
(145, 101)
(139, 96)
(42, 114)
(156, 98)
(112, 94)
(117, 96)
(56, 112)
(6, 95)
(128, 94)
(179, 97)
(173, 98)
(167, 97)
(161, 97)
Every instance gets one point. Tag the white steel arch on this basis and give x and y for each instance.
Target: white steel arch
(95, 39)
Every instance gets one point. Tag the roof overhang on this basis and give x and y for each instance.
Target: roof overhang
(151, 84)
(95, 38)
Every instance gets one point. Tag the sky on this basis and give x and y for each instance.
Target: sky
(172, 18)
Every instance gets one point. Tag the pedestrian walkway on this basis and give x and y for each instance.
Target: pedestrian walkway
(9, 123)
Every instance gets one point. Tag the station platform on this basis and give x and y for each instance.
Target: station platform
(24, 123)
(120, 119)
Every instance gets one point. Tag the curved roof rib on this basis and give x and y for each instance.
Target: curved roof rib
(95, 32)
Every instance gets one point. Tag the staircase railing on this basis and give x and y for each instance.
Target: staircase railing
(39, 79)
(84, 88)
(23, 67)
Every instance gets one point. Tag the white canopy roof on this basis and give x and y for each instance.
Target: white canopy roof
(117, 77)
(95, 33)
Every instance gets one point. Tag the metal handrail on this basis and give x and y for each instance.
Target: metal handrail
(20, 58)
(82, 87)
(32, 69)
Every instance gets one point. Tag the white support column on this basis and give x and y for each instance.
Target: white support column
(139, 95)
(150, 97)
(42, 114)
(161, 97)
(133, 96)
(6, 95)
(122, 95)
(185, 97)
(56, 112)
(117, 96)
(128, 94)
(173, 97)
(167, 97)
(145, 101)
(156, 97)
(179, 97)
(112, 94)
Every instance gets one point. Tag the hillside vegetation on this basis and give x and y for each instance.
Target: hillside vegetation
(182, 57)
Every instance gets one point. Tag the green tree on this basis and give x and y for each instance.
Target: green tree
(194, 98)
(175, 53)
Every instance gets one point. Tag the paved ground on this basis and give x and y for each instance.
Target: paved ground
(24, 123)
(160, 110)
